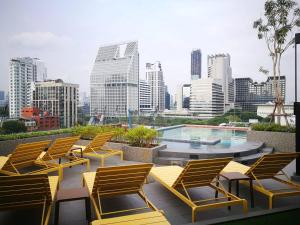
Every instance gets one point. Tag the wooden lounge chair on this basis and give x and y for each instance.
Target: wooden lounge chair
(28, 191)
(61, 149)
(196, 174)
(24, 156)
(95, 148)
(269, 167)
(120, 180)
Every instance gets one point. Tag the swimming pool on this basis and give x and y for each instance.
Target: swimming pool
(228, 137)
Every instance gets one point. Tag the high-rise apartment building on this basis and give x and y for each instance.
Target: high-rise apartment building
(219, 68)
(144, 96)
(207, 98)
(2, 98)
(154, 76)
(23, 72)
(196, 64)
(167, 98)
(114, 80)
(57, 99)
(248, 94)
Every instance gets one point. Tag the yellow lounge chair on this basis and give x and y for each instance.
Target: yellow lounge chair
(121, 180)
(26, 155)
(269, 167)
(61, 149)
(197, 173)
(28, 191)
(95, 148)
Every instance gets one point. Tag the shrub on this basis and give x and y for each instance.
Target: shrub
(89, 132)
(272, 127)
(141, 136)
(13, 126)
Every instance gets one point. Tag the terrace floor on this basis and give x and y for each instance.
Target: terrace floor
(176, 211)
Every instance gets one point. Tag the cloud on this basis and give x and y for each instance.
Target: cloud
(37, 40)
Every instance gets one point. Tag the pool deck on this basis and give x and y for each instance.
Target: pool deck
(175, 210)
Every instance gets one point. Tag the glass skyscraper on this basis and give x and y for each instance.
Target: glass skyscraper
(249, 93)
(114, 80)
(196, 64)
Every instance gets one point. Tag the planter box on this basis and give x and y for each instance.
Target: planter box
(281, 141)
(146, 155)
(6, 147)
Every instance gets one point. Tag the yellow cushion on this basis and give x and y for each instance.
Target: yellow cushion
(152, 218)
(89, 179)
(3, 160)
(235, 167)
(167, 174)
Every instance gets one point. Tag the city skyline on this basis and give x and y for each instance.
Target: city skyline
(68, 50)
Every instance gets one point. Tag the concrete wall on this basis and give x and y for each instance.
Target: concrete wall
(138, 154)
(281, 141)
(6, 147)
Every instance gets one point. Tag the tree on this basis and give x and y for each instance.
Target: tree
(277, 29)
(13, 126)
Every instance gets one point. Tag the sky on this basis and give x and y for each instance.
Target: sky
(66, 35)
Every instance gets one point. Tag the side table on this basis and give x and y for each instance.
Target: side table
(73, 194)
(236, 176)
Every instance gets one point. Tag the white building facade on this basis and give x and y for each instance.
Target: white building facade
(265, 110)
(218, 67)
(58, 99)
(23, 72)
(154, 76)
(207, 98)
(144, 96)
(114, 80)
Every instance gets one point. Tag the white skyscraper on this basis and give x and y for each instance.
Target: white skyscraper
(145, 96)
(23, 72)
(219, 69)
(207, 98)
(154, 76)
(114, 80)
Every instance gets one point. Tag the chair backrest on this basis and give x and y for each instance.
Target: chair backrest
(99, 141)
(199, 173)
(24, 191)
(26, 154)
(120, 180)
(60, 147)
(269, 165)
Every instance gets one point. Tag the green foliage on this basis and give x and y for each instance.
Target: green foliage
(233, 118)
(15, 136)
(272, 127)
(13, 126)
(4, 111)
(141, 136)
(89, 132)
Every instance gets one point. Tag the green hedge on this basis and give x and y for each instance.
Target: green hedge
(272, 127)
(5, 137)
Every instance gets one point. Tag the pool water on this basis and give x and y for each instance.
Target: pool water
(228, 137)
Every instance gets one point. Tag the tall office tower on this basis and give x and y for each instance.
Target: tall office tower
(57, 99)
(183, 93)
(154, 76)
(167, 98)
(219, 68)
(196, 60)
(23, 72)
(2, 98)
(207, 98)
(144, 96)
(114, 80)
(248, 94)
(39, 70)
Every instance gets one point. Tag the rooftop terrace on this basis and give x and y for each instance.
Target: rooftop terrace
(175, 210)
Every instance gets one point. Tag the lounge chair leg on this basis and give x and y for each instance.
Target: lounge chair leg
(217, 184)
(270, 202)
(88, 167)
(193, 215)
(245, 206)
